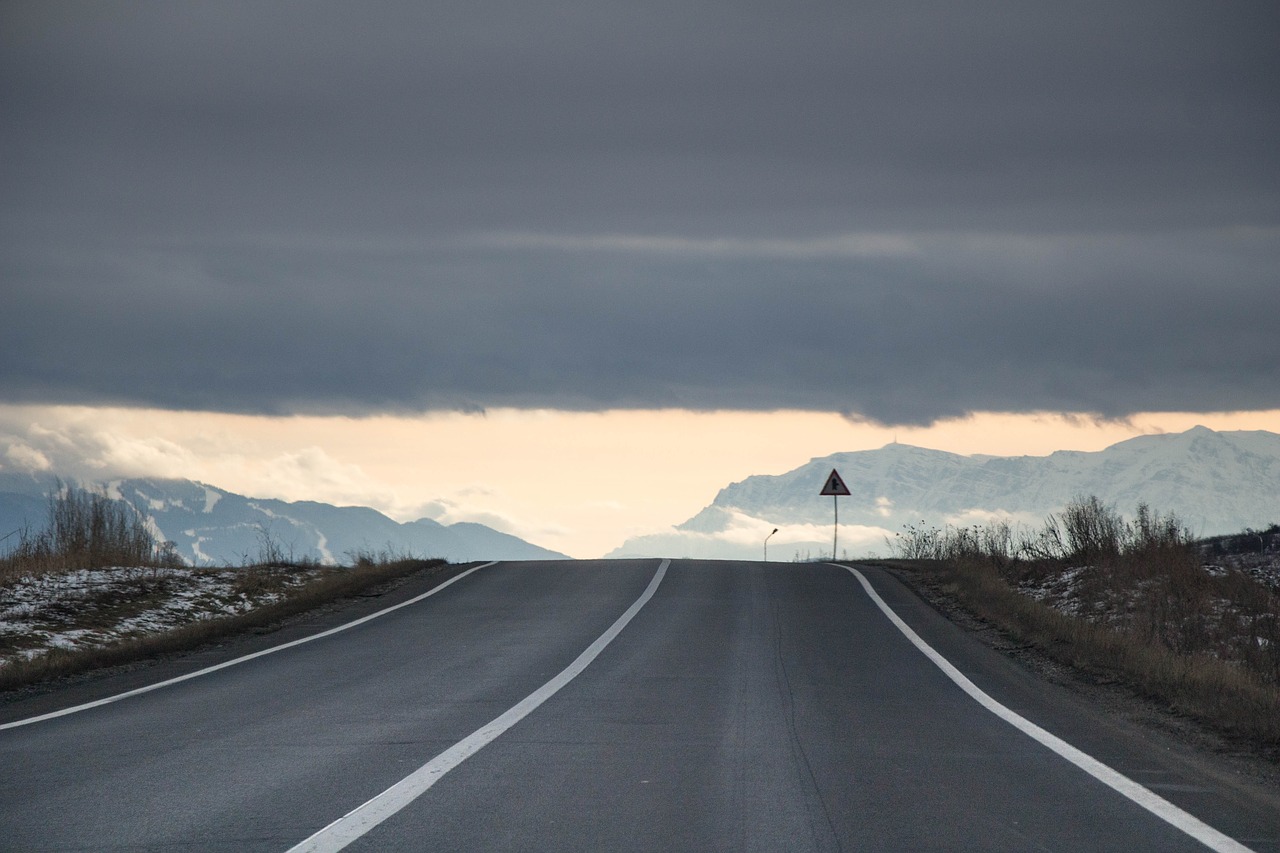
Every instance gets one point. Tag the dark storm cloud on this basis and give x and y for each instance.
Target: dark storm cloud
(899, 211)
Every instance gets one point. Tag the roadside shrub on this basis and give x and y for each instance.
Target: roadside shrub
(1143, 578)
(1132, 596)
(87, 530)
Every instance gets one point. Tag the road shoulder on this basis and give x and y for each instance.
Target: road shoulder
(1106, 718)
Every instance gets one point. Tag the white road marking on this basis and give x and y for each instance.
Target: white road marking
(1152, 802)
(363, 818)
(108, 700)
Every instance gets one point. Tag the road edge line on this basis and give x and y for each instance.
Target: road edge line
(207, 670)
(1148, 799)
(372, 812)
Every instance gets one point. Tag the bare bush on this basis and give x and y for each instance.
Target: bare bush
(87, 530)
(1143, 579)
(994, 541)
(366, 557)
(1091, 532)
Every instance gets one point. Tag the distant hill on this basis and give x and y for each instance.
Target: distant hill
(214, 526)
(1215, 482)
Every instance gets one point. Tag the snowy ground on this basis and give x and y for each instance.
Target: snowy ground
(1224, 618)
(94, 608)
(1062, 591)
(1264, 568)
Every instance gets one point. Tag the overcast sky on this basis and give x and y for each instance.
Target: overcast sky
(898, 211)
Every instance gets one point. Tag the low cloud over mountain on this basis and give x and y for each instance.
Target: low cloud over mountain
(1215, 482)
(212, 526)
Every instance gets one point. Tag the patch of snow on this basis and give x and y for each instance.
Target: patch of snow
(196, 542)
(69, 639)
(268, 513)
(154, 529)
(326, 556)
(1059, 591)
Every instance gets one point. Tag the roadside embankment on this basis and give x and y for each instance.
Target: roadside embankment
(58, 624)
(1197, 651)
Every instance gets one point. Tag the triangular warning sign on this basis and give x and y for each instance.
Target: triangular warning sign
(835, 485)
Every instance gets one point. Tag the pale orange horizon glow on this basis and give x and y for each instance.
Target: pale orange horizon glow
(577, 482)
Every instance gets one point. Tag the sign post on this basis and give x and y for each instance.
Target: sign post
(835, 487)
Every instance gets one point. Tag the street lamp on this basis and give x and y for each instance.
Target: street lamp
(766, 545)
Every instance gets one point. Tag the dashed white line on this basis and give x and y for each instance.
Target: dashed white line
(365, 817)
(1149, 800)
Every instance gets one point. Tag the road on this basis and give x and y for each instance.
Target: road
(741, 706)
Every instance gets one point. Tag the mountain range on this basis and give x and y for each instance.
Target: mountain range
(211, 526)
(1215, 482)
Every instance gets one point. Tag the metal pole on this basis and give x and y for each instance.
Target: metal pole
(835, 530)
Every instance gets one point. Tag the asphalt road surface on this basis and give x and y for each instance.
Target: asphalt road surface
(599, 706)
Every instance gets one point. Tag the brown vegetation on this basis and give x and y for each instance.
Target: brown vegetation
(101, 556)
(86, 530)
(328, 584)
(1127, 600)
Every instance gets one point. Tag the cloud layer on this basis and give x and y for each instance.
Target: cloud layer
(900, 214)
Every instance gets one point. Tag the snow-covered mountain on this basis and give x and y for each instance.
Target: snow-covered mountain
(1215, 482)
(214, 526)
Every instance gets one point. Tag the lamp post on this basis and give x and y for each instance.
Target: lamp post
(766, 545)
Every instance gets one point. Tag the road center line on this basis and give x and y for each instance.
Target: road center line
(1152, 802)
(147, 689)
(365, 817)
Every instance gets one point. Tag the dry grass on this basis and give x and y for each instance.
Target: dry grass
(85, 530)
(1223, 694)
(1126, 600)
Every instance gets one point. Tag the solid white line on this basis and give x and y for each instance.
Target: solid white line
(363, 818)
(108, 700)
(1152, 802)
